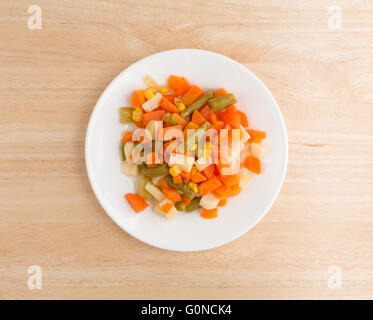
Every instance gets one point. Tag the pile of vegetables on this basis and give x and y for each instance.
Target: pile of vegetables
(188, 171)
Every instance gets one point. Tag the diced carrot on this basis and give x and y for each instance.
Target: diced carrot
(170, 97)
(177, 179)
(179, 119)
(178, 84)
(168, 106)
(190, 125)
(230, 180)
(209, 185)
(213, 118)
(232, 117)
(256, 136)
(153, 115)
(222, 202)
(152, 158)
(234, 190)
(174, 131)
(198, 118)
(219, 125)
(127, 137)
(220, 114)
(221, 192)
(209, 171)
(220, 92)
(206, 111)
(185, 200)
(243, 119)
(162, 183)
(209, 214)
(136, 202)
(185, 175)
(172, 194)
(138, 98)
(167, 207)
(198, 177)
(191, 95)
(253, 164)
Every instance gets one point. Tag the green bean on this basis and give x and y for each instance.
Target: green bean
(222, 102)
(181, 188)
(157, 171)
(180, 206)
(193, 205)
(122, 150)
(142, 192)
(168, 119)
(198, 104)
(125, 115)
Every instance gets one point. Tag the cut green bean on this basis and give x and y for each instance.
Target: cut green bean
(141, 191)
(157, 171)
(222, 102)
(125, 115)
(168, 119)
(180, 206)
(122, 151)
(181, 188)
(193, 205)
(198, 104)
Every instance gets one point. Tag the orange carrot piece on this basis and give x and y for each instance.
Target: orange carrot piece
(179, 119)
(136, 202)
(230, 180)
(162, 183)
(185, 175)
(209, 214)
(198, 177)
(167, 207)
(221, 192)
(253, 164)
(185, 200)
(219, 125)
(138, 98)
(243, 119)
(190, 125)
(152, 158)
(177, 179)
(191, 95)
(168, 106)
(172, 194)
(209, 185)
(222, 202)
(198, 118)
(153, 115)
(170, 97)
(256, 136)
(220, 92)
(176, 129)
(127, 137)
(179, 85)
(231, 117)
(206, 111)
(209, 171)
(213, 118)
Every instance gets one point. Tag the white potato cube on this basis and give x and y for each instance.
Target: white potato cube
(258, 150)
(173, 213)
(128, 168)
(209, 201)
(152, 103)
(245, 135)
(184, 162)
(245, 177)
(154, 191)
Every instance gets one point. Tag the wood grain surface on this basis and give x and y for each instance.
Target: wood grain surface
(50, 80)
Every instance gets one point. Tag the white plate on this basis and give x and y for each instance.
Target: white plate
(188, 232)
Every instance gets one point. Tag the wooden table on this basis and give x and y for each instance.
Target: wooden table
(322, 78)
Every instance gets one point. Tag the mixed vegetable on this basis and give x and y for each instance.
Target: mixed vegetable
(192, 148)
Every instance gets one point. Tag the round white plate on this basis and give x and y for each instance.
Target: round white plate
(188, 232)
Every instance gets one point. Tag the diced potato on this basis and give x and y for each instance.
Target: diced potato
(153, 127)
(150, 82)
(202, 163)
(258, 150)
(245, 151)
(154, 191)
(209, 201)
(185, 163)
(152, 103)
(245, 177)
(173, 213)
(128, 149)
(128, 168)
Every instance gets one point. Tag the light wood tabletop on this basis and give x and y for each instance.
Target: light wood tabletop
(316, 57)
